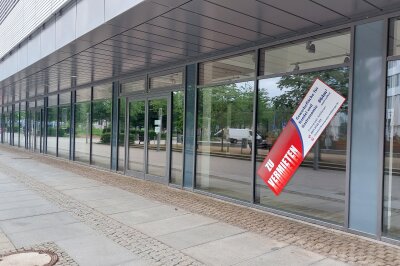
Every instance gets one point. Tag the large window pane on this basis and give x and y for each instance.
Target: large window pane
(52, 124)
(227, 69)
(318, 187)
(173, 79)
(22, 123)
(82, 125)
(137, 113)
(314, 53)
(64, 125)
(391, 204)
(224, 128)
(16, 125)
(394, 37)
(133, 86)
(177, 137)
(7, 124)
(121, 134)
(101, 133)
(157, 137)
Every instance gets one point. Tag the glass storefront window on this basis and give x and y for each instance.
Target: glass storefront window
(391, 207)
(7, 125)
(121, 134)
(52, 113)
(227, 69)
(224, 134)
(314, 53)
(16, 126)
(133, 86)
(177, 137)
(318, 188)
(173, 79)
(64, 125)
(394, 40)
(101, 126)
(22, 123)
(82, 125)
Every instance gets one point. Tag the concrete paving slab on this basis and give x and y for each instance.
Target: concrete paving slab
(6, 181)
(94, 193)
(233, 250)
(12, 187)
(28, 211)
(22, 204)
(173, 224)
(50, 234)
(135, 262)
(199, 235)
(289, 255)
(27, 197)
(36, 222)
(148, 215)
(112, 201)
(329, 262)
(96, 250)
(15, 194)
(137, 204)
(74, 185)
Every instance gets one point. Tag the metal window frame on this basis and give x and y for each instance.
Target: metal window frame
(256, 78)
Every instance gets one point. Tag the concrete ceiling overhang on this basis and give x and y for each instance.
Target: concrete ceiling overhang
(158, 33)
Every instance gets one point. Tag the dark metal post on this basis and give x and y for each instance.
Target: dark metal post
(114, 126)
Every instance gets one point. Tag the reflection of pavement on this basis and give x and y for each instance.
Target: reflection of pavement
(317, 193)
(157, 161)
(394, 213)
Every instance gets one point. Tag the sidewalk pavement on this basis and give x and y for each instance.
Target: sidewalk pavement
(94, 217)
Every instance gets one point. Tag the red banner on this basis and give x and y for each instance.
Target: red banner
(295, 141)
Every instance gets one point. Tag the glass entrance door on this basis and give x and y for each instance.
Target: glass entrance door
(31, 129)
(148, 138)
(35, 129)
(39, 130)
(136, 137)
(157, 138)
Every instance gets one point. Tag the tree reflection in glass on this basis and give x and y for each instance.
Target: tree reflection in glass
(224, 134)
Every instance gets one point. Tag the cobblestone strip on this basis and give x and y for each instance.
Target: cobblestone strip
(146, 247)
(327, 242)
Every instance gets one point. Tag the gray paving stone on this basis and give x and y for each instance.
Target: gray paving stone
(96, 203)
(36, 222)
(329, 262)
(50, 234)
(28, 211)
(63, 186)
(232, 250)
(96, 250)
(148, 215)
(137, 204)
(174, 224)
(289, 255)
(22, 204)
(199, 235)
(27, 197)
(95, 193)
(15, 194)
(12, 187)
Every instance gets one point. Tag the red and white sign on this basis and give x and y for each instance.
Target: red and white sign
(312, 116)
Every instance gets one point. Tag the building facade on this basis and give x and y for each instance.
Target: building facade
(194, 93)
